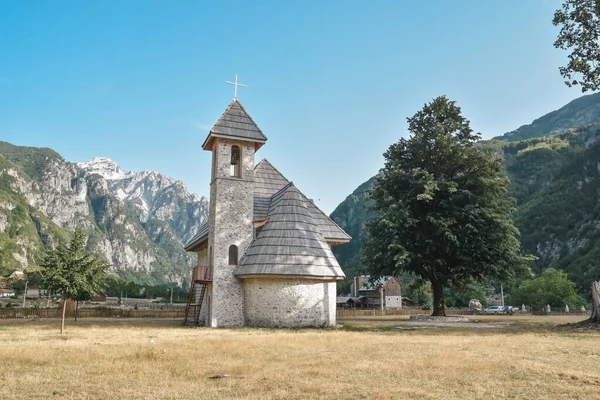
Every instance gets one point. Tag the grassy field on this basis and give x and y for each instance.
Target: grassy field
(369, 358)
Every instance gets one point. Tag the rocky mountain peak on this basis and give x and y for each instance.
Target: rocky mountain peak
(104, 167)
(137, 221)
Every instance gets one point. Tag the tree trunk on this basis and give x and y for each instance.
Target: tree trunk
(595, 318)
(62, 322)
(76, 309)
(438, 300)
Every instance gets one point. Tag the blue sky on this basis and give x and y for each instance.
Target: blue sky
(329, 82)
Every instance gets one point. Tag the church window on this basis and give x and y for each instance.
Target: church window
(236, 162)
(233, 255)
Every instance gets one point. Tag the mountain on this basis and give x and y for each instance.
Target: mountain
(556, 181)
(582, 111)
(350, 215)
(136, 220)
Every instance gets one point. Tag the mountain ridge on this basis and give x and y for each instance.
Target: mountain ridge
(555, 178)
(581, 111)
(136, 220)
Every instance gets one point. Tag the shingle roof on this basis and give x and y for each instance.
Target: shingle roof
(198, 237)
(235, 123)
(368, 285)
(268, 181)
(290, 243)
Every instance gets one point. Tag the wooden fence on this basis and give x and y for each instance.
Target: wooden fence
(25, 313)
(341, 313)
(345, 313)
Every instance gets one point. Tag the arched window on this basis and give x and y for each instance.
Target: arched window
(233, 255)
(236, 161)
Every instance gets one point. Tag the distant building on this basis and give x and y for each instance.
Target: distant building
(18, 275)
(370, 292)
(349, 302)
(100, 297)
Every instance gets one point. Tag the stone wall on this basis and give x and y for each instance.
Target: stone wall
(289, 303)
(231, 212)
(203, 318)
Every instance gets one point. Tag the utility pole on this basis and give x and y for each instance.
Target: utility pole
(171, 296)
(401, 296)
(502, 294)
(25, 294)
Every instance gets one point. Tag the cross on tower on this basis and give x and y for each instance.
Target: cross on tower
(235, 86)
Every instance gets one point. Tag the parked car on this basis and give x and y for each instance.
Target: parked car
(473, 310)
(494, 310)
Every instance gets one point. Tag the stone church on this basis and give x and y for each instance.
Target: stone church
(264, 255)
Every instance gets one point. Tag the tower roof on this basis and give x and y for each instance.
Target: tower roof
(290, 243)
(235, 123)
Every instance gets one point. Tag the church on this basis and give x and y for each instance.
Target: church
(264, 255)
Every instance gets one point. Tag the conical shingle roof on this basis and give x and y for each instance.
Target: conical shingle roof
(290, 243)
(235, 123)
(268, 181)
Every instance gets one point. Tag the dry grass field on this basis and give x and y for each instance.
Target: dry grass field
(370, 358)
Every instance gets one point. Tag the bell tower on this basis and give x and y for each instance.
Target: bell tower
(233, 140)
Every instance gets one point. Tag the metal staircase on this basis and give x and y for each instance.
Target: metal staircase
(194, 304)
(201, 277)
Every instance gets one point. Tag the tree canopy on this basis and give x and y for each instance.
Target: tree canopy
(551, 287)
(441, 210)
(579, 22)
(72, 272)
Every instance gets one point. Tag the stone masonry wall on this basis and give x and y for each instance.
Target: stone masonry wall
(231, 214)
(203, 260)
(289, 303)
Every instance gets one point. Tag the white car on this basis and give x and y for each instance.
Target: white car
(494, 310)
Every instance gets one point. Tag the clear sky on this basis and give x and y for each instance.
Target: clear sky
(329, 82)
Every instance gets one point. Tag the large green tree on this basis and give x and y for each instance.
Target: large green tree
(441, 208)
(551, 287)
(579, 22)
(73, 272)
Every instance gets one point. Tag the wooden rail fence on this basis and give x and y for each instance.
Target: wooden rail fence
(341, 313)
(345, 313)
(25, 313)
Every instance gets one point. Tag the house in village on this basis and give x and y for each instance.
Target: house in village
(371, 293)
(264, 255)
(99, 297)
(18, 275)
(350, 302)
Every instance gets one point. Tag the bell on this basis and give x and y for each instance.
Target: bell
(235, 155)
